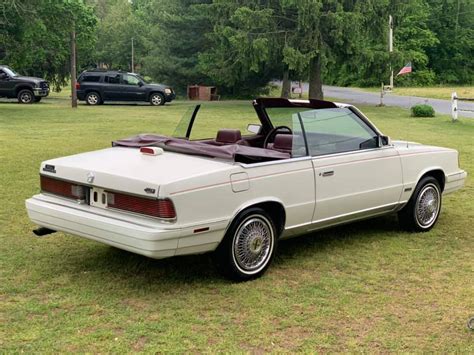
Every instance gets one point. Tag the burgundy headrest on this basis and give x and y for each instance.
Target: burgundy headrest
(228, 136)
(283, 142)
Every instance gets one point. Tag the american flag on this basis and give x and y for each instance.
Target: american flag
(406, 69)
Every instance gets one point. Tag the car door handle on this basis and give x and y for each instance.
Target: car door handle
(328, 173)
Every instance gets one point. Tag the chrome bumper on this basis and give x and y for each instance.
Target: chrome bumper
(41, 92)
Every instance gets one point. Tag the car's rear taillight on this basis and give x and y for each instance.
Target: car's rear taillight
(78, 85)
(62, 188)
(161, 208)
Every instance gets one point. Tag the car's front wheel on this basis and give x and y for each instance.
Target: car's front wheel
(25, 96)
(157, 99)
(248, 246)
(93, 98)
(422, 211)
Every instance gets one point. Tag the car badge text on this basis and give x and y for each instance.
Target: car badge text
(149, 190)
(49, 168)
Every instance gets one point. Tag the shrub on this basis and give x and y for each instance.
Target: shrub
(422, 111)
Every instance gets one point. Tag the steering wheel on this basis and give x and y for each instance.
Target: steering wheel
(271, 135)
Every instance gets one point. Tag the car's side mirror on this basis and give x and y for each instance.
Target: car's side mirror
(4, 76)
(140, 84)
(254, 128)
(383, 140)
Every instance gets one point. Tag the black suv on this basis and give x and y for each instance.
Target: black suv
(25, 88)
(97, 86)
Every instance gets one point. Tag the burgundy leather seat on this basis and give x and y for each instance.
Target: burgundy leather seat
(283, 143)
(228, 136)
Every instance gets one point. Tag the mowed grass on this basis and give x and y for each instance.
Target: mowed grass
(364, 287)
(434, 92)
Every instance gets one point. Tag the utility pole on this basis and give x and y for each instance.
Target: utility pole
(133, 59)
(390, 47)
(73, 67)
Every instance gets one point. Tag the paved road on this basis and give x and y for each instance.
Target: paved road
(362, 97)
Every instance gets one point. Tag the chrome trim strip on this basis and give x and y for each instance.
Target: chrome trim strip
(296, 230)
(274, 162)
(285, 161)
(368, 210)
(385, 147)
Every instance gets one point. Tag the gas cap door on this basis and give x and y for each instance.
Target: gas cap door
(239, 182)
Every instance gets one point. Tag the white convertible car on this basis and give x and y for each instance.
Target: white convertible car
(306, 166)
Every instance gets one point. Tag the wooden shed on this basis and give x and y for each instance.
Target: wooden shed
(204, 93)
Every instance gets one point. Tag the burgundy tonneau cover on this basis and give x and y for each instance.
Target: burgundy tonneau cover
(179, 145)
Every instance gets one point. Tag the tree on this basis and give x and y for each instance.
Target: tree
(248, 42)
(369, 63)
(239, 56)
(119, 22)
(281, 35)
(413, 38)
(451, 58)
(35, 38)
(176, 34)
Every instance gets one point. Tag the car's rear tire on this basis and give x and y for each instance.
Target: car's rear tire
(93, 98)
(157, 99)
(25, 96)
(422, 211)
(38, 99)
(248, 247)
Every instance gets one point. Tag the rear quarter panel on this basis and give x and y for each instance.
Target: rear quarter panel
(220, 196)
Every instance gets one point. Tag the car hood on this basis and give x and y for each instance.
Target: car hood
(29, 78)
(414, 147)
(157, 86)
(129, 170)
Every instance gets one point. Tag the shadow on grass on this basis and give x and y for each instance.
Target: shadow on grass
(133, 271)
(15, 102)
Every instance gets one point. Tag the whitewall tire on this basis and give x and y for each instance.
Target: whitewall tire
(249, 245)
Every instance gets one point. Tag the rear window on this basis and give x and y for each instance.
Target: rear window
(90, 78)
(112, 78)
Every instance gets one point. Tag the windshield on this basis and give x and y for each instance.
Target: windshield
(9, 71)
(147, 81)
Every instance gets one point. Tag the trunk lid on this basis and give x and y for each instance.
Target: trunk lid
(128, 170)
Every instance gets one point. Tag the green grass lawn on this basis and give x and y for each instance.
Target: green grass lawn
(365, 287)
(434, 92)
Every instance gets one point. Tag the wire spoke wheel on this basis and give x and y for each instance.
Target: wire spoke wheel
(249, 245)
(427, 205)
(423, 209)
(253, 244)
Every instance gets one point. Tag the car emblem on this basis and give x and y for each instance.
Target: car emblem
(49, 168)
(90, 177)
(149, 190)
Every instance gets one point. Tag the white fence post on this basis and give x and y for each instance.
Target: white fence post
(454, 106)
